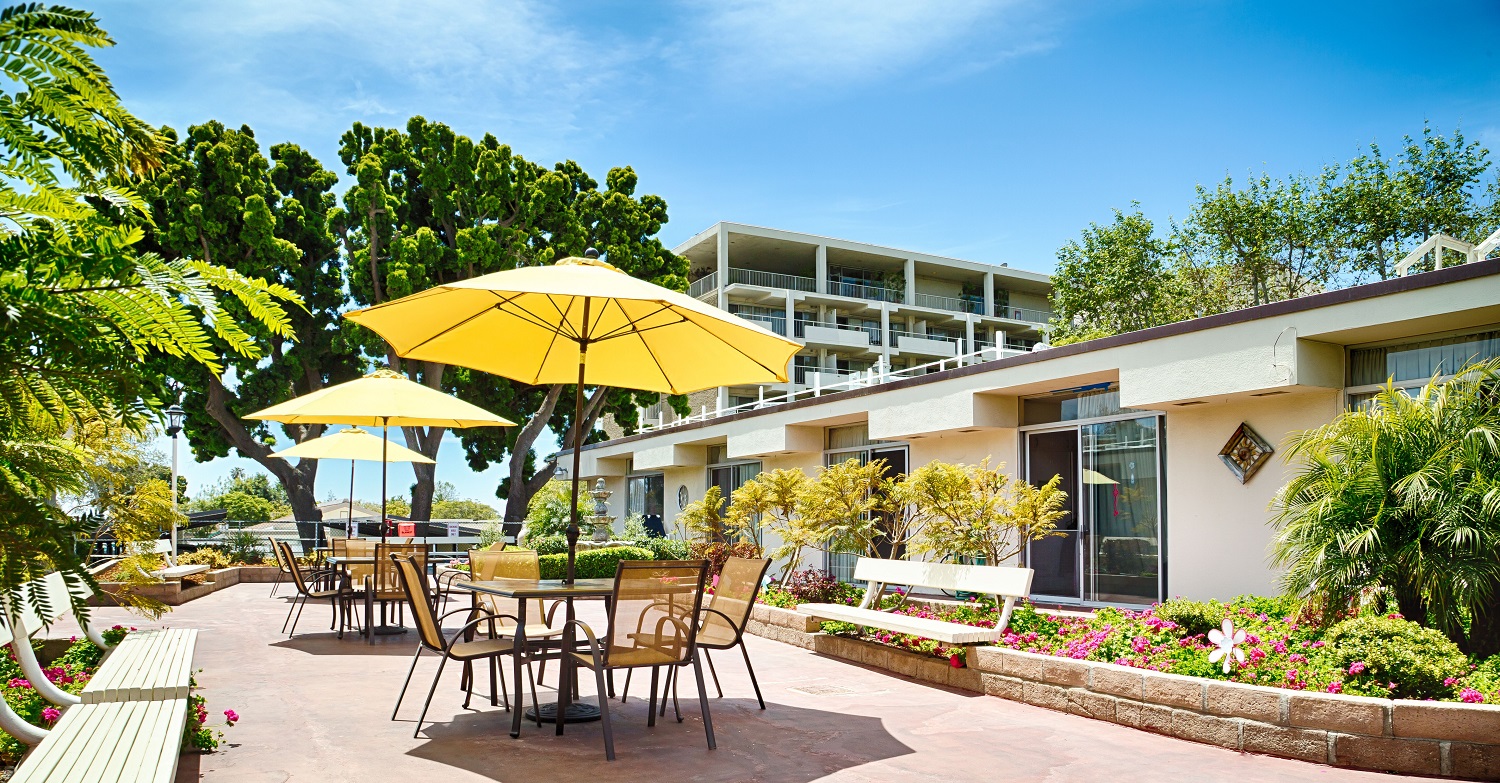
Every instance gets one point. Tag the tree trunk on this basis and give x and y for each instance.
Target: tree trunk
(422, 491)
(1484, 633)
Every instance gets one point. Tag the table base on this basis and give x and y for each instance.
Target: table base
(389, 630)
(577, 713)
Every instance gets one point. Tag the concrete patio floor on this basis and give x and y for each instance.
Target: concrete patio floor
(317, 708)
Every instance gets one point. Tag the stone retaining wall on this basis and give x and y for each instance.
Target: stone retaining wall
(176, 592)
(1416, 737)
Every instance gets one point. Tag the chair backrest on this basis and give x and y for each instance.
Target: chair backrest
(276, 551)
(358, 547)
(486, 564)
(387, 580)
(412, 577)
(986, 580)
(293, 567)
(655, 608)
(734, 596)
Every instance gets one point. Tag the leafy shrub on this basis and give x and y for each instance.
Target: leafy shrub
(716, 553)
(1381, 651)
(1484, 682)
(592, 563)
(1194, 617)
(664, 548)
(555, 544)
(212, 557)
(812, 586)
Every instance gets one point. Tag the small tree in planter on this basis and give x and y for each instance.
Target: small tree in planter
(843, 507)
(769, 501)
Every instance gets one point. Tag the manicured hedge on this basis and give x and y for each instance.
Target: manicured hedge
(592, 563)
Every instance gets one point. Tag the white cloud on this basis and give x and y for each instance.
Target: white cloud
(794, 43)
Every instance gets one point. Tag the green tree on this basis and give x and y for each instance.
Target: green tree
(218, 199)
(462, 509)
(981, 512)
(769, 502)
(1114, 278)
(429, 206)
(1403, 495)
(243, 507)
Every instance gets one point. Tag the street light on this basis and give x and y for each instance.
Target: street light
(175, 415)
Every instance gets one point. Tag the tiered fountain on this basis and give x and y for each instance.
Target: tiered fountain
(601, 520)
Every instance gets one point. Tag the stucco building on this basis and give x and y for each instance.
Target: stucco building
(1135, 424)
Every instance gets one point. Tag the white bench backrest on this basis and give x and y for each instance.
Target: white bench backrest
(59, 605)
(985, 580)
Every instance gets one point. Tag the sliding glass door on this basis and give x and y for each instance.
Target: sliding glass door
(1110, 547)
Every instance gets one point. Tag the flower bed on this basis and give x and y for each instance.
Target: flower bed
(70, 672)
(1369, 655)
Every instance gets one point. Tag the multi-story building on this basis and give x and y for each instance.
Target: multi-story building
(857, 307)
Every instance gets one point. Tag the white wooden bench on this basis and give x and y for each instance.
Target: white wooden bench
(126, 727)
(163, 547)
(110, 742)
(1005, 583)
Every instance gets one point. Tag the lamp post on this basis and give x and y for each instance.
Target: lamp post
(175, 415)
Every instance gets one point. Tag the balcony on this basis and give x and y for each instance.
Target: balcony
(772, 280)
(826, 333)
(1038, 317)
(704, 287)
(872, 293)
(950, 303)
(926, 344)
(777, 325)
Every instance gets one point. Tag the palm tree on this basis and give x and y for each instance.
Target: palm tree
(1403, 495)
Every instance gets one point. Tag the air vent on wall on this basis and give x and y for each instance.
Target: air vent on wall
(1192, 402)
(1269, 394)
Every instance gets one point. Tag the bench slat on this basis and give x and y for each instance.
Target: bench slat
(114, 742)
(952, 633)
(146, 665)
(987, 580)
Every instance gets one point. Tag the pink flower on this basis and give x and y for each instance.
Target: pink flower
(1450, 681)
(1471, 696)
(1358, 667)
(1291, 675)
(231, 716)
(955, 661)
(18, 682)
(1335, 687)
(51, 714)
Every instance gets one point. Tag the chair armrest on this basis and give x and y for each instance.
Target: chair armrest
(732, 623)
(484, 617)
(588, 635)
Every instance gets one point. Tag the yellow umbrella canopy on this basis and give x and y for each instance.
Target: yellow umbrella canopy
(580, 321)
(353, 444)
(532, 325)
(382, 398)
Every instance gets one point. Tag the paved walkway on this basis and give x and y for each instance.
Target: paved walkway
(315, 708)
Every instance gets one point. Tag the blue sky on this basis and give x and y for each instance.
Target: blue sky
(992, 130)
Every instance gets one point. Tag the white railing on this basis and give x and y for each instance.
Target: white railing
(775, 324)
(872, 331)
(814, 376)
(1437, 243)
(703, 285)
(1023, 314)
(873, 293)
(772, 280)
(950, 303)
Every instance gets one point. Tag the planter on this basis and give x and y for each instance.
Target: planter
(178, 592)
(1444, 739)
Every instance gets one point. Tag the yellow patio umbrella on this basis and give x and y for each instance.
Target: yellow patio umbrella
(381, 399)
(580, 321)
(353, 444)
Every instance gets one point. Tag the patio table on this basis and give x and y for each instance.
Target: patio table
(524, 591)
(371, 630)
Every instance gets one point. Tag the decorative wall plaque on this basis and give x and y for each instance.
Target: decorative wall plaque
(1245, 452)
(682, 497)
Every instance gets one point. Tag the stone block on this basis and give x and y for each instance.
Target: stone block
(1065, 672)
(1128, 713)
(1027, 666)
(1333, 712)
(965, 679)
(1475, 762)
(1121, 681)
(987, 659)
(1043, 695)
(1091, 705)
(1446, 721)
(1154, 717)
(1172, 690)
(1236, 700)
(1305, 744)
(1207, 729)
(1387, 754)
(1002, 686)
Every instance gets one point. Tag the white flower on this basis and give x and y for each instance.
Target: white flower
(1226, 641)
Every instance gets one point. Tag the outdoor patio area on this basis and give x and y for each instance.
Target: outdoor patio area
(317, 708)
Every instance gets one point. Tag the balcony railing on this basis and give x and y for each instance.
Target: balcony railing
(772, 280)
(704, 285)
(872, 331)
(950, 303)
(1023, 314)
(777, 325)
(873, 293)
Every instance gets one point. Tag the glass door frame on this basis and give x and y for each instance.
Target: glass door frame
(1085, 522)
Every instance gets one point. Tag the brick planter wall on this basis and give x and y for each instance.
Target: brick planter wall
(1415, 737)
(177, 593)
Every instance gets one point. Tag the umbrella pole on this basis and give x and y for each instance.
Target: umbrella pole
(577, 455)
(349, 528)
(384, 466)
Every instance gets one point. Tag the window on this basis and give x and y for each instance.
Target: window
(1411, 365)
(853, 442)
(643, 497)
(1084, 402)
(729, 475)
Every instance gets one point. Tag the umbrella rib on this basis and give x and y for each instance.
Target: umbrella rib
(630, 323)
(446, 330)
(524, 314)
(641, 336)
(571, 333)
(736, 348)
(637, 330)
